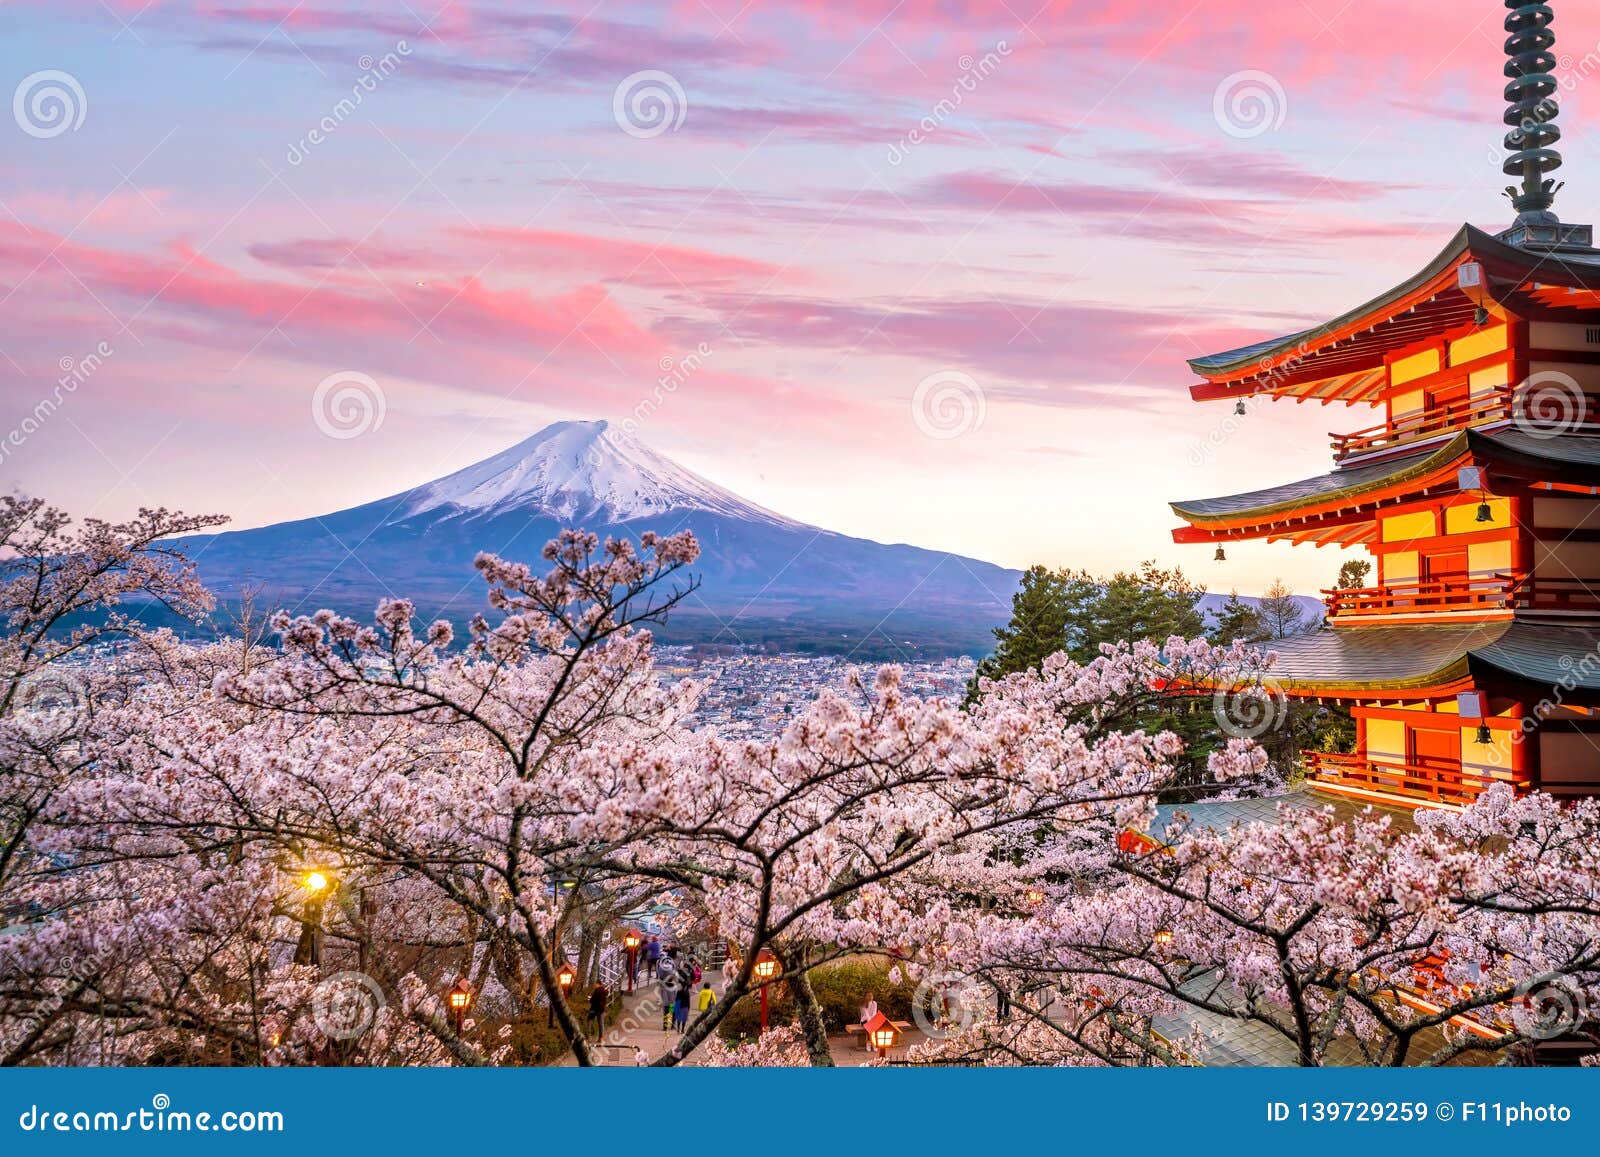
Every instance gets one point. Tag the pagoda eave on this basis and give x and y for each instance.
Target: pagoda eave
(1344, 359)
(1526, 661)
(1513, 462)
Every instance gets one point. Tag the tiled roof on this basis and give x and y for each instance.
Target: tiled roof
(1563, 269)
(1412, 657)
(1336, 482)
(1566, 457)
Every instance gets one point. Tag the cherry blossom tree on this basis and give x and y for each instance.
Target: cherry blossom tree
(286, 851)
(1469, 933)
(62, 591)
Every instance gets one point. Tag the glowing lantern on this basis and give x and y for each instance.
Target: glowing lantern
(882, 1033)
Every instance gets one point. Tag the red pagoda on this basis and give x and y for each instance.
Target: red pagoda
(1475, 658)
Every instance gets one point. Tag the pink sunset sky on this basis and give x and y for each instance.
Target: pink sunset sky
(498, 240)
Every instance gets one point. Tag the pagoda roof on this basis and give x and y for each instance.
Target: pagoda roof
(1435, 656)
(1507, 450)
(1351, 483)
(1342, 360)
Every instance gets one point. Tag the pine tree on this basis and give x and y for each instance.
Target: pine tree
(1237, 620)
(1149, 603)
(1076, 612)
(1037, 630)
(1353, 575)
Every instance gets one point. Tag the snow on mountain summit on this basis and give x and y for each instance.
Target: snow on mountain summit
(578, 471)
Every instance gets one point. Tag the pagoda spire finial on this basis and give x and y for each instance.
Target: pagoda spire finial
(1531, 108)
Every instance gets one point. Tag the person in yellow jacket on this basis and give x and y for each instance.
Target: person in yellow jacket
(706, 998)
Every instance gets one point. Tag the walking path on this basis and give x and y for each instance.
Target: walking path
(638, 1026)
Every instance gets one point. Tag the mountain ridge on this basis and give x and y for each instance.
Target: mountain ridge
(765, 578)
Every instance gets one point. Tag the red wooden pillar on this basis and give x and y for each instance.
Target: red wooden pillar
(1524, 752)
(1522, 542)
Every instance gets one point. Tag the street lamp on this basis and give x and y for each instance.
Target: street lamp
(308, 950)
(767, 967)
(882, 1033)
(566, 975)
(460, 999)
(631, 943)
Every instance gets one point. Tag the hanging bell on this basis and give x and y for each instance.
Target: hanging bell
(1222, 555)
(1483, 735)
(1484, 513)
(1481, 318)
(1239, 408)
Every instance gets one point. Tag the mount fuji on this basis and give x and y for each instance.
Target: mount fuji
(765, 579)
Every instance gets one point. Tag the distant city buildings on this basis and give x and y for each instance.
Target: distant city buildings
(752, 693)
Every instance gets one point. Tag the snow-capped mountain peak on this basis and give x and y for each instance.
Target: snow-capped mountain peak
(577, 471)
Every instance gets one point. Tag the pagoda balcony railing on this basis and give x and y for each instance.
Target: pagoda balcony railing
(1490, 592)
(1501, 405)
(1407, 781)
(1474, 593)
(1574, 595)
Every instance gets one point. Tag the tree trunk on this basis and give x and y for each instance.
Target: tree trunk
(807, 1009)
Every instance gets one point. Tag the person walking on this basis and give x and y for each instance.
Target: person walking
(706, 999)
(680, 1009)
(666, 989)
(598, 999)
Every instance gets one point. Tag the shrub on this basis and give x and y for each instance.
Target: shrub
(841, 987)
(536, 1042)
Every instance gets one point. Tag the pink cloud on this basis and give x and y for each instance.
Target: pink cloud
(562, 255)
